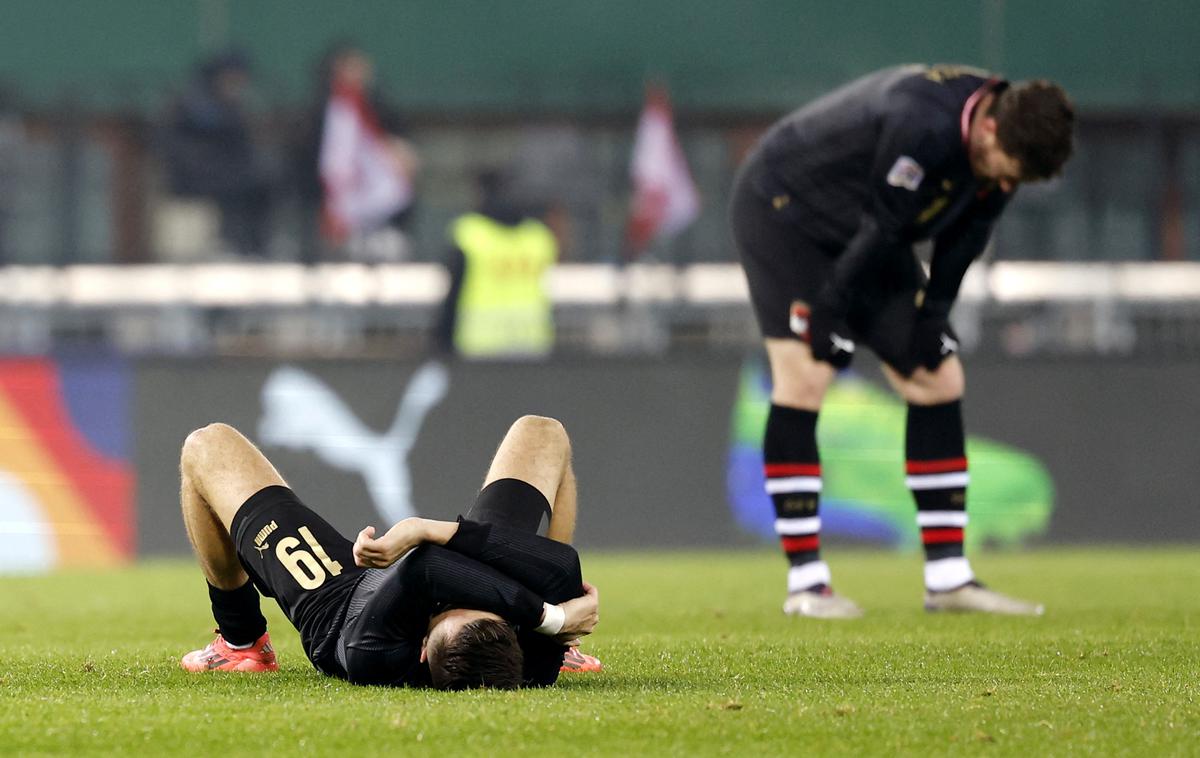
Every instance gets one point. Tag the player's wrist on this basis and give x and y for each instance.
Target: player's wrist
(933, 341)
(438, 532)
(553, 619)
(828, 335)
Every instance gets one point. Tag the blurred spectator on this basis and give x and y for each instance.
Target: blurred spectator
(359, 168)
(497, 305)
(210, 152)
(10, 143)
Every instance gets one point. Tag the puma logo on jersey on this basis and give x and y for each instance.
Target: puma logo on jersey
(260, 539)
(264, 532)
(301, 412)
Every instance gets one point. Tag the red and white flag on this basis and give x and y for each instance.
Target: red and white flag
(665, 199)
(364, 183)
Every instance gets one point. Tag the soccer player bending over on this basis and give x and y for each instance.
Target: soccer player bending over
(825, 213)
(481, 602)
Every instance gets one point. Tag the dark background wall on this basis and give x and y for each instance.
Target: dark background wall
(651, 440)
(1121, 438)
(550, 54)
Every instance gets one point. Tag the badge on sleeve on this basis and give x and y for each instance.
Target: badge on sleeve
(906, 174)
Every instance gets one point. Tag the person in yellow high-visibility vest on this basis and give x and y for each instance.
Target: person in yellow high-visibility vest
(497, 305)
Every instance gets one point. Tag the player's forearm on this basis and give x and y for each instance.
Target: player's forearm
(401, 538)
(438, 532)
(951, 259)
(957, 247)
(415, 530)
(869, 247)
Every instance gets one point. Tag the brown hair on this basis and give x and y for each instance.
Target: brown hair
(1034, 123)
(484, 653)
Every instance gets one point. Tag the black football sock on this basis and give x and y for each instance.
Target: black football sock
(792, 468)
(237, 614)
(937, 475)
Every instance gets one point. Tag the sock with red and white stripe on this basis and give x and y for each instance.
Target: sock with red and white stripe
(937, 476)
(793, 473)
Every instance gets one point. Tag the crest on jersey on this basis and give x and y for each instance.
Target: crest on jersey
(798, 319)
(906, 173)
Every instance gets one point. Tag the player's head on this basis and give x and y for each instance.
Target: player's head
(1026, 134)
(467, 649)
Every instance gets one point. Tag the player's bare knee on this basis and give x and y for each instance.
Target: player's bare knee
(798, 381)
(949, 382)
(934, 396)
(547, 430)
(201, 442)
(798, 394)
(951, 390)
(534, 421)
(803, 389)
(934, 389)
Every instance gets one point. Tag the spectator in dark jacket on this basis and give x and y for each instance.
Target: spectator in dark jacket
(210, 152)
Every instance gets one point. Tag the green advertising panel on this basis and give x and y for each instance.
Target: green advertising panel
(861, 437)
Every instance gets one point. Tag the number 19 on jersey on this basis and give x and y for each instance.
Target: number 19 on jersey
(309, 567)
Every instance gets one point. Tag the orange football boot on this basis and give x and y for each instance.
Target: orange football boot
(218, 656)
(581, 663)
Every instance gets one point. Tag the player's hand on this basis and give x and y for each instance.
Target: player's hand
(583, 613)
(828, 336)
(933, 340)
(372, 552)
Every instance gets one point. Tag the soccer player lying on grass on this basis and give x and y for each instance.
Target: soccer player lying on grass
(484, 601)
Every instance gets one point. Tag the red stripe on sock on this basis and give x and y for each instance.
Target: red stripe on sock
(939, 536)
(943, 466)
(800, 544)
(792, 469)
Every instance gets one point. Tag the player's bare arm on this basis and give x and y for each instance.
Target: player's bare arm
(380, 552)
(582, 614)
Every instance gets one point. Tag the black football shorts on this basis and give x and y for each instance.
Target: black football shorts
(512, 502)
(296, 557)
(786, 270)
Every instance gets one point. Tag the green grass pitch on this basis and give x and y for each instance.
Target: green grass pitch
(700, 662)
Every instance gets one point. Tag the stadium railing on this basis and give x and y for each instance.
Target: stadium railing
(1033, 308)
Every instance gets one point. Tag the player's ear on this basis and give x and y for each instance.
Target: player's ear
(988, 124)
(424, 649)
